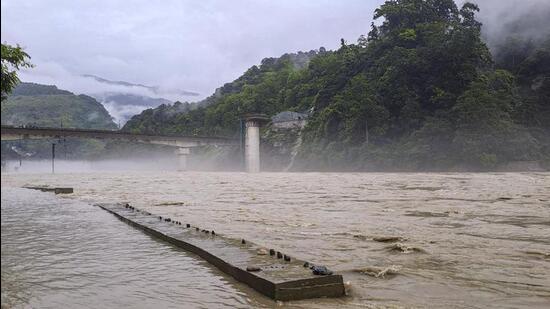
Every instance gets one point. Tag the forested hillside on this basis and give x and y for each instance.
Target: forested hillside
(420, 91)
(261, 88)
(47, 106)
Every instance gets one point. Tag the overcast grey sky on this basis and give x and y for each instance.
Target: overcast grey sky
(192, 45)
(177, 44)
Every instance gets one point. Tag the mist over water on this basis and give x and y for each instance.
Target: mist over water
(434, 240)
(160, 163)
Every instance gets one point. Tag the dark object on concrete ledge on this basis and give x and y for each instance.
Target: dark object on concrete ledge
(253, 268)
(56, 190)
(321, 271)
(277, 279)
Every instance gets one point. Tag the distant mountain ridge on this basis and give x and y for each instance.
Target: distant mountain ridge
(122, 106)
(154, 89)
(125, 99)
(37, 89)
(124, 103)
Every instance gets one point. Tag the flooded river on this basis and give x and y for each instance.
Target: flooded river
(455, 240)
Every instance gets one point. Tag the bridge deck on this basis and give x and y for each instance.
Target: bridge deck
(275, 277)
(14, 133)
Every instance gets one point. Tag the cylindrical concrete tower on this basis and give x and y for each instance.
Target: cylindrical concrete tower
(252, 146)
(252, 142)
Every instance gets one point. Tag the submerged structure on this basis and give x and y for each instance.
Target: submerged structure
(270, 272)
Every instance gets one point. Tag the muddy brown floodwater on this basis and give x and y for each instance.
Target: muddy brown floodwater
(438, 240)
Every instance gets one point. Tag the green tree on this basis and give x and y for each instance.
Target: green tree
(13, 58)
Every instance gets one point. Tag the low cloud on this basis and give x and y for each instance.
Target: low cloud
(528, 19)
(52, 73)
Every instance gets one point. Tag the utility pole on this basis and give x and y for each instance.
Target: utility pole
(53, 158)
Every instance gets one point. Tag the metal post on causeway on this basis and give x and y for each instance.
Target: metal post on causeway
(53, 158)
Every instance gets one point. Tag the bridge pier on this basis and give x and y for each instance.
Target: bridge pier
(182, 154)
(252, 142)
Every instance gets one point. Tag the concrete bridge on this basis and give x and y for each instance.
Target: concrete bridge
(183, 144)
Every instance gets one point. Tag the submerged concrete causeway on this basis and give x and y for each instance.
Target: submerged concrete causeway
(56, 190)
(269, 272)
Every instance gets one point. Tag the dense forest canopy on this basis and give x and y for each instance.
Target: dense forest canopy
(420, 90)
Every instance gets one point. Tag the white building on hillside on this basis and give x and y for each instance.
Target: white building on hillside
(289, 120)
